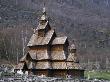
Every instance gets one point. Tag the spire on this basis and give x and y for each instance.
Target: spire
(43, 18)
(44, 10)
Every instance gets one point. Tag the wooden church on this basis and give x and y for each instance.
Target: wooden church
(49, 54)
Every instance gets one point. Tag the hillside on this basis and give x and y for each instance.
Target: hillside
(84, 21)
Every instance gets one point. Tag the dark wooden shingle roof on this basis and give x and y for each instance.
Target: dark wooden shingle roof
(32, 54)
(36, 40)
(59, 40)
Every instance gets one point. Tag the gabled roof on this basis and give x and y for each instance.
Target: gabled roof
(59, 40)
(72, 57)
(32, 54)
(23, 58)
(36, 40)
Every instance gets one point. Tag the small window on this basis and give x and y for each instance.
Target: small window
(41, 33)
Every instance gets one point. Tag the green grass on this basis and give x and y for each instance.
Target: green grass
(98, 75)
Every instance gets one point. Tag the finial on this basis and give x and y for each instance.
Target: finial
(44, 10)
(43, 17)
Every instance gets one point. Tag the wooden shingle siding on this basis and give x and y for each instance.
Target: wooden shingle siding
(58, 55)
(50, 55)
(59, 65)
(57, 48)
(43, 65)
(41, 55)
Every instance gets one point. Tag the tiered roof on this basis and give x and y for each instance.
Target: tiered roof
(44, 59)
(36, 40)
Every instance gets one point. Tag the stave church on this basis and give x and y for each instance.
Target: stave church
(49, 54)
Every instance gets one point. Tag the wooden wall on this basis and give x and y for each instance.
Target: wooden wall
(59, 73)
(57, 48)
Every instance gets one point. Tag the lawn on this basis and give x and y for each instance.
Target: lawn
(97, 75)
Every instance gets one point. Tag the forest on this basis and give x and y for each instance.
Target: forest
(84, 21)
